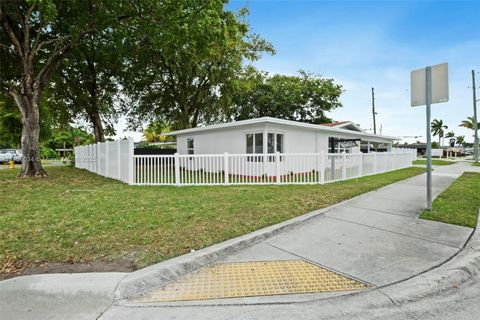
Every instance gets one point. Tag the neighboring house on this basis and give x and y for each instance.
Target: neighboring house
(269, 135)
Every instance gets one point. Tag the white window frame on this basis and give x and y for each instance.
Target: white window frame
(253, 133)
(275, 134)
(193, 143)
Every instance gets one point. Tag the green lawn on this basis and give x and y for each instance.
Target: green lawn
(435, 162)
(458, 204)
(76, 216)
(476, 164)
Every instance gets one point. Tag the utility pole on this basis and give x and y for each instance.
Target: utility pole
(373, 111)
(475, 119)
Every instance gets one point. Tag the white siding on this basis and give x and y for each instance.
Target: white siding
(232, 140)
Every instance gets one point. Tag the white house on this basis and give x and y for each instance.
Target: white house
(269, 135)
(256, 151)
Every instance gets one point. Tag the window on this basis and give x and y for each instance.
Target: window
(254, 142)
(275, 143)
(255, 145)
(190, 146)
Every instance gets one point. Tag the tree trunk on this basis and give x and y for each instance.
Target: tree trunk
(92, 110)
(31, 163)
(97, 126)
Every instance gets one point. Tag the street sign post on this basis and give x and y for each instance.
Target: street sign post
(429, 85)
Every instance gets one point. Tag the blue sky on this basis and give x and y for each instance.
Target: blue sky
(362, 44)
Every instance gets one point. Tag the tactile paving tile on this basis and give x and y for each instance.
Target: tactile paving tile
(249, 279)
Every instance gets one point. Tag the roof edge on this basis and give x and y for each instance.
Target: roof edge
(278, 121)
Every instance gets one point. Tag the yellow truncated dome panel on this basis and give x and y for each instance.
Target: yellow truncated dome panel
(249, 279)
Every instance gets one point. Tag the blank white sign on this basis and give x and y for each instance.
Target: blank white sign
(439, 85)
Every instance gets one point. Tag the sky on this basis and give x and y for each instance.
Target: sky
(365, 44)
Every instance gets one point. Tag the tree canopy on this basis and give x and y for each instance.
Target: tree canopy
(305, 97)
(172, 63)
(183, 60)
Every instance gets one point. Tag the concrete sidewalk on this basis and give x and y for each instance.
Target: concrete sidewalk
(376, 238)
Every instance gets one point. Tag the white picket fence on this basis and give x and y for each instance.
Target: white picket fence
(116, 160)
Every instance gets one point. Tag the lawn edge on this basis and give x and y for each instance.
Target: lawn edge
(424, 212)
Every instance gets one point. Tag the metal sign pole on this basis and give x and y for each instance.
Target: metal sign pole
(428, 76)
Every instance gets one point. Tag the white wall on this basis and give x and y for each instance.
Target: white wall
(231, 140)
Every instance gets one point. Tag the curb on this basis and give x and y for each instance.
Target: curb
(451, 274)
(157, 275)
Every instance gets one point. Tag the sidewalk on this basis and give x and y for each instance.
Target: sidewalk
(376, 238)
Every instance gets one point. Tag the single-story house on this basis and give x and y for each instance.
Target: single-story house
(268, 135)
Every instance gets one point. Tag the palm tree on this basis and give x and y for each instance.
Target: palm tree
(468, 123)
(450, 134)
(460, 140)
(438, 129)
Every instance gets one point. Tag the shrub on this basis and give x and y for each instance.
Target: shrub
(48, 153)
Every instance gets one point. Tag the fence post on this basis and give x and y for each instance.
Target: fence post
(225, 167)
(322, 167)
(177, 169)
(374, 163)
(119, 169)
(344, 167)
(277, 167)
(130, 159)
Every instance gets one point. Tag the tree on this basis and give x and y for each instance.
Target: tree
(155, 132)
(71, 137)
(460, 140)
(87, 85)
(10, 123)
(451, 135)
(306, 97)
(468, 123)
(183, 60)
(36, 36)
(438, 129)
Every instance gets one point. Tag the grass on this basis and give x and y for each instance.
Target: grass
(76, 216)
(435, 162)
(459, 204)
(476, 164)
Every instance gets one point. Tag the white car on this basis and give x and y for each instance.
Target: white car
(7, 155)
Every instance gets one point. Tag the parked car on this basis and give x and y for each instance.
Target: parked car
(7, 155)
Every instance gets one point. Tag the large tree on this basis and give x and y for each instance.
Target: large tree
(36, 37)
(185, 56)
(87, 86)
(305, 97)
